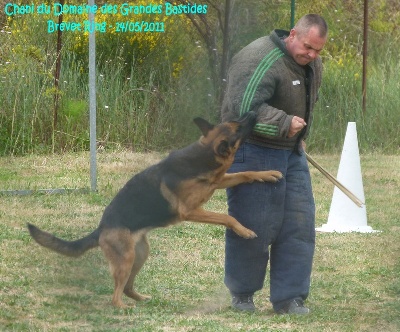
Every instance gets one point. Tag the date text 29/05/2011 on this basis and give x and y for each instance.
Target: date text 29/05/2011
(88, 26)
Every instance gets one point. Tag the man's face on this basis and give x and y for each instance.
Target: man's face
(305, 47)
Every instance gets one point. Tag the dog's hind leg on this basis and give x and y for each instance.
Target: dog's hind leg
(142, 249)
(118, 247)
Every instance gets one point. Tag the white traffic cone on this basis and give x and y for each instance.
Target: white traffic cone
(344, 214)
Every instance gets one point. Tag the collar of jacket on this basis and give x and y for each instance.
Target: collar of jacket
(278, 36)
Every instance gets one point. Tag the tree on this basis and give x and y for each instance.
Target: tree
(211, 27)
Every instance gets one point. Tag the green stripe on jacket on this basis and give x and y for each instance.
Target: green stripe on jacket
(271, 130)
(252, 86)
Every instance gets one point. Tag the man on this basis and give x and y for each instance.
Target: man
(278, 77)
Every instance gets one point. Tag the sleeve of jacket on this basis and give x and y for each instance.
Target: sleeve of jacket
(244, 94)
(271, 121)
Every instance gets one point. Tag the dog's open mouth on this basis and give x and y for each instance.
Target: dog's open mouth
(246, 124)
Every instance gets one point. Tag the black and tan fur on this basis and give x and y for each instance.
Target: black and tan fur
(164, 194)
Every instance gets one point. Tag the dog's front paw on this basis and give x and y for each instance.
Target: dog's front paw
(276, 175)
(269, 176)
(245, 233)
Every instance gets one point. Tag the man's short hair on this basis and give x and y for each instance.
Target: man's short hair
(308, 21)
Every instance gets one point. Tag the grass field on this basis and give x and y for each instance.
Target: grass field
(355, 281)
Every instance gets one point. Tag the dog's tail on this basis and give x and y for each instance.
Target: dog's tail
(68, 248)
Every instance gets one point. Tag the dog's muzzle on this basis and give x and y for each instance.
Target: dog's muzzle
(247, 122)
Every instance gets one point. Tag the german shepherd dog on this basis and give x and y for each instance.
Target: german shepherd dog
(165, 194)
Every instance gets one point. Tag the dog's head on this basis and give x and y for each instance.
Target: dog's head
(226, 137)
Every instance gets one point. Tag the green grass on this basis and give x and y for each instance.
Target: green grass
(355, 281)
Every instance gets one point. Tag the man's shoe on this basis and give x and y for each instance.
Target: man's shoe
(294, 307)
(243, 303)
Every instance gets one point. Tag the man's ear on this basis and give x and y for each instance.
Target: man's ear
(292, 33)
(204, 125)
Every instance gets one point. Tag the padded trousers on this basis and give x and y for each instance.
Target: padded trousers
(282, 215)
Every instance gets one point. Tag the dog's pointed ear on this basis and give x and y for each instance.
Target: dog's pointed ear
(204, 125)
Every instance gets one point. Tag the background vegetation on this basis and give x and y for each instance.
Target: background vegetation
(150, 85)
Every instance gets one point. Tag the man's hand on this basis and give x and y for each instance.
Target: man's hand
(296, 126)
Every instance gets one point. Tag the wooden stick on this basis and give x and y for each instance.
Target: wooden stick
(331, 178)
